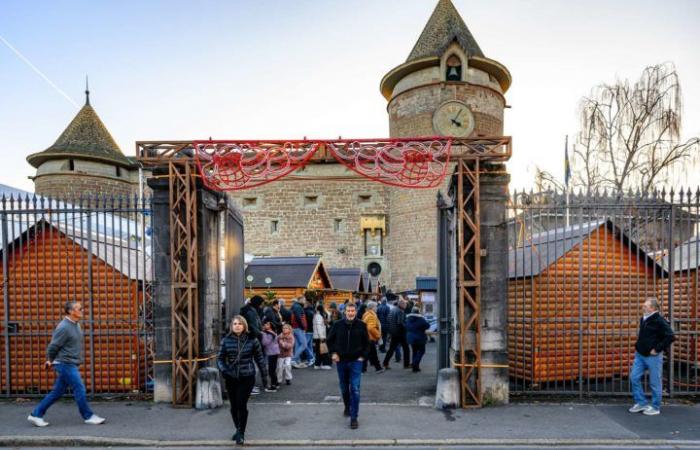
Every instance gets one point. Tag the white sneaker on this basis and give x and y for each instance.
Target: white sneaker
(638, 408)
(317, 367)
(95, 420)
(38, 421)
(651, 411)
(326, 367)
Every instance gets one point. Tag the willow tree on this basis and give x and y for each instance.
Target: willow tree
(630, 134)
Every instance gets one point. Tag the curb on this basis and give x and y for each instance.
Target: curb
(94, 441)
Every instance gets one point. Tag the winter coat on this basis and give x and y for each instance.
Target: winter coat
(286, 344)
(374, 328)
(395, 325)
(383, 315)
(298, 319)
(654, 334)
(349, 339)
(238, 356)
(252, 316)
(319, 326)
(270, 343)
(416, 326)
(274, 317)
(309, 311)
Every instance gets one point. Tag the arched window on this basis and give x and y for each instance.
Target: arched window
(453, 68)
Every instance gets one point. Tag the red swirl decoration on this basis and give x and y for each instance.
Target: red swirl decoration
(238, 165)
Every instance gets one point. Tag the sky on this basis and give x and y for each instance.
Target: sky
(274, 69)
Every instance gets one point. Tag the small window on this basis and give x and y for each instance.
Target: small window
(118, 171)
(71, 165)
(337, 225)
(364, 198)
(274, 226)
(310, 200)
(249, 202)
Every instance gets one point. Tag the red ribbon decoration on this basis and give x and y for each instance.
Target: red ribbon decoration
(408, 163)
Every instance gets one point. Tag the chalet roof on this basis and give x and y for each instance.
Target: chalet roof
(284, 272)
(544, 249)
(348, 279)
(86, 137)
(426, 284)
(686, 256)
(444, 27)
(114, 239)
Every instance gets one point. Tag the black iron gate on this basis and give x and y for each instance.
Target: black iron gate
(580, 267)
(96, 250)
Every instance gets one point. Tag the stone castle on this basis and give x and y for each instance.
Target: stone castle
(353, 222)
(324, 209)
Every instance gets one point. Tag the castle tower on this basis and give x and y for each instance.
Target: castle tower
(446, 87)
(85, 159)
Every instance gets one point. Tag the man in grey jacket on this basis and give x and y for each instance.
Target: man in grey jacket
(65, 354)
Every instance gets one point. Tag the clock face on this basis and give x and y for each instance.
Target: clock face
(453, 118)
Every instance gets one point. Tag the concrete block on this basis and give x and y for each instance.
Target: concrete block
(447, 391)
(208, 394)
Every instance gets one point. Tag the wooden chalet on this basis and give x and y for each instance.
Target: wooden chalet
(555, 279)
(347, 283)
(50, 261)
(686, 299)
(288, 277)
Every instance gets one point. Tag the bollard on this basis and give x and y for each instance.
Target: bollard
(447, 391)
(208, 389)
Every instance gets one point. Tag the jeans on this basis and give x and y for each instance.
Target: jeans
(66, 375)
(239, 390)
(654, 365)
(310, 348)
(418, 350)
(299, 344)
(349, 374)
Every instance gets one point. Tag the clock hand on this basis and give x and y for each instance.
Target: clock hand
(457, 115)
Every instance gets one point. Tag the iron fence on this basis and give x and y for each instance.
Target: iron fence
(96, 250)
(580, 267)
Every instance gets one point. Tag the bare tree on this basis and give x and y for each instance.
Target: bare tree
(630, 134)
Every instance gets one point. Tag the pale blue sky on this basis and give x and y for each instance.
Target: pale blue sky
(288, 69)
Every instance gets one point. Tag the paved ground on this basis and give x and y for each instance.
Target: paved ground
(308, 414)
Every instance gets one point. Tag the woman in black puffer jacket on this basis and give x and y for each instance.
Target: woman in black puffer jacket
(238, 355)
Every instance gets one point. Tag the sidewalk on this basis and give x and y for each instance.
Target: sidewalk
(322, 424)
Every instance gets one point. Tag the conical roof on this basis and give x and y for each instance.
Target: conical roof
(86, 137)
(444, 26)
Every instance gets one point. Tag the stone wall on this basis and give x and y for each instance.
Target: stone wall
(70, 185)
(306, 212)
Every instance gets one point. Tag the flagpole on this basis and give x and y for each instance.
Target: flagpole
(567, 171)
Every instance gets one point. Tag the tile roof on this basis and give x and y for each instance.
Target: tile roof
(444, 26)
(85, 137)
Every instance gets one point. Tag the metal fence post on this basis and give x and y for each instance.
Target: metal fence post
(671, 271)
(6, 300)
(91, 302)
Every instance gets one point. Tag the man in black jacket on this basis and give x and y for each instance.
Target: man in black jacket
(655, 336)
(348, 343)
(397, 333)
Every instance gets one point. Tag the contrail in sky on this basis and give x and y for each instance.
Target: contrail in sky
(39, 72)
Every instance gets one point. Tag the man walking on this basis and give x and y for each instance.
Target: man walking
(299, 325)
(655, 336)
(65, 354)
(383, 315)
(397, 333)
(348, 343)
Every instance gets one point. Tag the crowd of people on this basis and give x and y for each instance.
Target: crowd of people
(277, 337)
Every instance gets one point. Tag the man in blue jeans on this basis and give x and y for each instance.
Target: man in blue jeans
(65, 354)
(655, 336)
(348, 343)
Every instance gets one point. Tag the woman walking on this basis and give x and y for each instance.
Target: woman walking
(374, 331)
(239, 353)
(323, 358)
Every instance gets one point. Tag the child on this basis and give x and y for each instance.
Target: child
(272, 350)
(286, 348)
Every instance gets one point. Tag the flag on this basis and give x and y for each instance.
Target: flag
(567, 165)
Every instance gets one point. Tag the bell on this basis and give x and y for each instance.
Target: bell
(452, 73)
